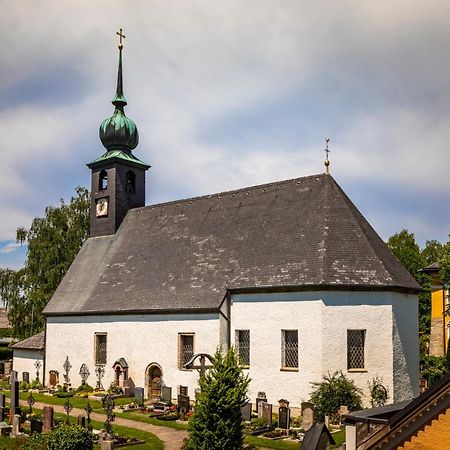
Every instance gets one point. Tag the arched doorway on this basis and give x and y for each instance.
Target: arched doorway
(153, 380)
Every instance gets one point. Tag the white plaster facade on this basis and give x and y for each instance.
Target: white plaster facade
(25, 360)
(322, 319)
(141, 339)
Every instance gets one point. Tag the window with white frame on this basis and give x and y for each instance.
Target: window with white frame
(100, 348)
(185, 348)
(355, 349)
(242, 342)
(289, 349)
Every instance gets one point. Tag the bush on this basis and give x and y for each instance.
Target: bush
(114, 389)
(5, 353)
(70, 437)
(35, 384)
(85, 388)
(433, 368)
(217, 421)
(24, 386)
(378, 393)
(37, 441)
(333, 392)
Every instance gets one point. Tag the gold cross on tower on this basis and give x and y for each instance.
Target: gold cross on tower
(121, 35)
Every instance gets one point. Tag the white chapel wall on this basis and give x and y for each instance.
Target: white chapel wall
(140, 339)
(322, 319)
(25, 360)
(406, 346)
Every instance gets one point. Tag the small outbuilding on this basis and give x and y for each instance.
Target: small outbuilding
(28, 358)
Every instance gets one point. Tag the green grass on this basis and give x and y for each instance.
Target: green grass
(268, 443)
(77, 402)
(339, 438)
(139, 417)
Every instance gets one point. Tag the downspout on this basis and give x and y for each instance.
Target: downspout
(443, 319)
(45, 351)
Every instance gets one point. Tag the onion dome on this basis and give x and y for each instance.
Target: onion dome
(119, 132)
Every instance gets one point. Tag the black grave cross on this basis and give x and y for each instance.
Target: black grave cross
(84, 373)
(31, 402)
(38, 365)
(100, 372)
(88, 409)
(108, 406)
(68, 408)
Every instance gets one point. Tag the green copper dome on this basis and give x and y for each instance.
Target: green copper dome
(119, 132)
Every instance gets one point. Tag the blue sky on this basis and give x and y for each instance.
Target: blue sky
(230, 94)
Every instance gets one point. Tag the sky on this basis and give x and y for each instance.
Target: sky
(227, 95)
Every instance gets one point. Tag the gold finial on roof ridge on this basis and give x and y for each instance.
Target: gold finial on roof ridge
(327, 161)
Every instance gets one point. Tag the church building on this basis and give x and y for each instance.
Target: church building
(289, 272)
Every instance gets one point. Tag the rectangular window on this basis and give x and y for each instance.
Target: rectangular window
(289, 349)
(242, 341)
(100, 348)
(185, 348)
(355, 349)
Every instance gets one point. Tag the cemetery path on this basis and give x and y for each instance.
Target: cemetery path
(173, 439)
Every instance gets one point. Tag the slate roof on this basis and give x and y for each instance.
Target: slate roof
(35, 342)
(183, 256)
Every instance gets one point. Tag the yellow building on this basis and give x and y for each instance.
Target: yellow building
(439, 319)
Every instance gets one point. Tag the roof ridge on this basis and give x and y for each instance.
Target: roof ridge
(365, 226)
(232, 192)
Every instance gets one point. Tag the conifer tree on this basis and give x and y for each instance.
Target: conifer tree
(217, 422)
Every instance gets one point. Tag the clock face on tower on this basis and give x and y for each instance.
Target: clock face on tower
(101, 207)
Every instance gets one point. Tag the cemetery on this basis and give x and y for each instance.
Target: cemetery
(27, 425)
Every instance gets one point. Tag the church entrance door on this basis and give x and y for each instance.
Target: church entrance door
(154, 379)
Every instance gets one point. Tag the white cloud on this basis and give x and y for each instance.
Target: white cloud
(375, 74)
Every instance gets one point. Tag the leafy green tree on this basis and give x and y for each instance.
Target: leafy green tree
(407, 251)
(444, 262)
(53, 242)
(217, 422)
(333, 392)
(432, 252)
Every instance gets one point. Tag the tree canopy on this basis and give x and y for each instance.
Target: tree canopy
(217, 421)
(53, 242)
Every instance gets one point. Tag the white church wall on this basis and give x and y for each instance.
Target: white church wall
(265, 315)
(25, 360)
(369, 311)
(140, 339)
(406, 346)
(322, 319)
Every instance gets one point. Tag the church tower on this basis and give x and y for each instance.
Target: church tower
(118, 177)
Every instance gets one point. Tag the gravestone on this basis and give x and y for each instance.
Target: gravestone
(81, 420)
(166, 394)
(184, 404)
(5, 429)
(26, 377)
(183, 390)
(53, 377)
(106, 445)
(48, 419)
(16, 425)
(2, 368)
(265, 411)
(8, 368)
(246, 412)
(261, 397)
(2, 408)
(35, 426)
(284, 414)
(139, 395)
(14, 400)
(343, 410)
(159, 406)
(307, 415)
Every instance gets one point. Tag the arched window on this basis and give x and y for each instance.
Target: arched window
(103, 180)
(131, 182)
